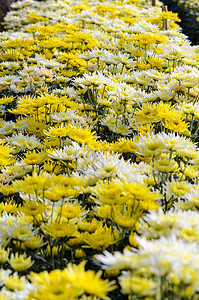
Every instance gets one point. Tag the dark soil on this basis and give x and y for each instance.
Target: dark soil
(189, 25)
(4, 8)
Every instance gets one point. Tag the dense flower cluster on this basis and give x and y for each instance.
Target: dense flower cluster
(99, 116)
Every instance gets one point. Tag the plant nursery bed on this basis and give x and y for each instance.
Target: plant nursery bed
(99, 158)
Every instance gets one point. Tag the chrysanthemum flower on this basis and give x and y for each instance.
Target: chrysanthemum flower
(20, 262)
(59, 230)
(68, 153)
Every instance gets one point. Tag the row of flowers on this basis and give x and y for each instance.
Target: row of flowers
(99, 152)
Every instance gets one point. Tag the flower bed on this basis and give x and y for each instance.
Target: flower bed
(99, 153)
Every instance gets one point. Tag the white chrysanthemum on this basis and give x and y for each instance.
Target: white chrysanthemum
(95, 79)
(173, 52)
(24, 142)
(20, 232)
(163, 257)
(105, 165)
(174, 142)
(7, 128)
(193, 196)
(150, 145)
(116, 260)
(68, 153)
(184, 224)
(144, 26)
(68, 115)
(4, 274)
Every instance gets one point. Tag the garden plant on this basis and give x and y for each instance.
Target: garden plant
(99, 159)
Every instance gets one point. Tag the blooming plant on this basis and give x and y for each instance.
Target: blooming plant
(99, 159)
